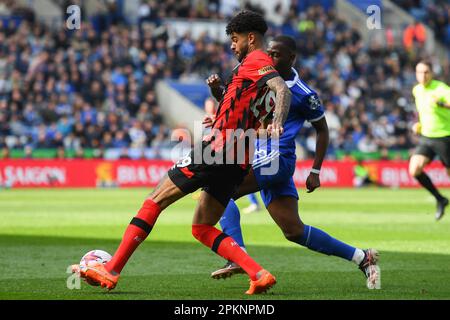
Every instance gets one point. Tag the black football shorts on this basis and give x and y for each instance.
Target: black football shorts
(430, 147)
(219, 180)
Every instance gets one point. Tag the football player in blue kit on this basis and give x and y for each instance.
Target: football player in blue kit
(278, 190)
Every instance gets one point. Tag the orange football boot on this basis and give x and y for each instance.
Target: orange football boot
(97, 275)
(264, 283)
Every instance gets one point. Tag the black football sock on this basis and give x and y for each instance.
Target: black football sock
(426, 182)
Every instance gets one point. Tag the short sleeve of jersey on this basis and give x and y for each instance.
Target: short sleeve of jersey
(311, 108)
(259, 68)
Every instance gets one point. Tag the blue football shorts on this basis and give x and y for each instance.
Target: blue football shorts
(274, 180)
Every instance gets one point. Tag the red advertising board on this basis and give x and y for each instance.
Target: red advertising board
(147, 173)
(81, 173)
(395, 173)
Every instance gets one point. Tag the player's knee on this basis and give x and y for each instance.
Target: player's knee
(292, 237)
(294, 232)
(415, 170)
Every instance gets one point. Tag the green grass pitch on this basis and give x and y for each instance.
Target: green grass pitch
(43, 231)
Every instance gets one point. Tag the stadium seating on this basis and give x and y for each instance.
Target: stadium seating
(93, 90)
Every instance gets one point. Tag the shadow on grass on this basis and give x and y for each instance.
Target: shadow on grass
(36, 266)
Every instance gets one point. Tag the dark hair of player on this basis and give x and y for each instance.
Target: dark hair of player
(247, 21)
(427, 63)
(286, 41)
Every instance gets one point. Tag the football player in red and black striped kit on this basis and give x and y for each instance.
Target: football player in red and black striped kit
(243, 108)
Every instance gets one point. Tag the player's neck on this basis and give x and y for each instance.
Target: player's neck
(427, 84)
(285, 74)
(255, 47)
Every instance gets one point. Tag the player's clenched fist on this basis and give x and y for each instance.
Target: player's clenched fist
(312, 182)
(215, 84)
(214, 81)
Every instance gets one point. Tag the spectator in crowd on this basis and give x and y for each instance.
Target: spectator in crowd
(414, 36)
(434, 13)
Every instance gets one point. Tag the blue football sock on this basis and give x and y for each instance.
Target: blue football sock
(253, 199)
(231, 223)
(319, 241)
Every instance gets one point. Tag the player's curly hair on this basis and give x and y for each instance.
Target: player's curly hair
(247, 21)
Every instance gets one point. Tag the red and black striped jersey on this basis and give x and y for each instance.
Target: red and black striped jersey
(244, 104)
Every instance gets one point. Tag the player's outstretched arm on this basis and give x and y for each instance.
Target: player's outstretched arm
(282, 104)
(322, 139)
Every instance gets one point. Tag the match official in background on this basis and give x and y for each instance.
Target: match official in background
(433, 106)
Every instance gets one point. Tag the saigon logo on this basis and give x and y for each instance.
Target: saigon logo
(265, 69)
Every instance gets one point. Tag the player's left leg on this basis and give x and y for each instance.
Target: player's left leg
(284, 211)
(208, 212)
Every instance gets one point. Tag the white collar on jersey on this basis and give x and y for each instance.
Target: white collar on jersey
(291, 83)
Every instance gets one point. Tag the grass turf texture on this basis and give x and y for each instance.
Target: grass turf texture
(43, 231)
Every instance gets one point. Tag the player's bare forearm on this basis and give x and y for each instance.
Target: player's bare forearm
(322, 141)
(321, 127)
(282, 100)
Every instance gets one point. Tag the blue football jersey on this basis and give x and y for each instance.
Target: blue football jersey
(305, 105)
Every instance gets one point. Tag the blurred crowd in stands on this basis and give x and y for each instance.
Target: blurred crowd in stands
(95, 88)
(434, 13)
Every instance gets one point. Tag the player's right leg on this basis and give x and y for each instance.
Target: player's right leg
(183, 178)
(137, 231)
